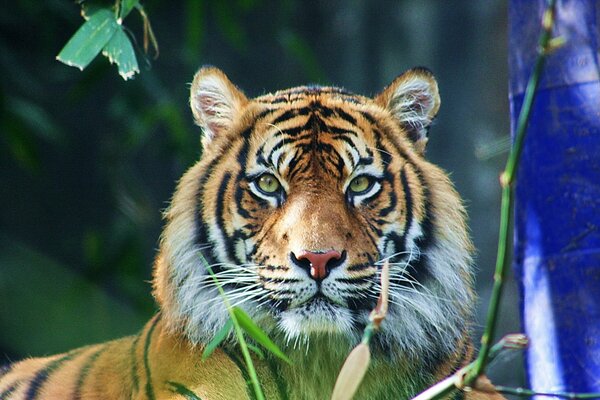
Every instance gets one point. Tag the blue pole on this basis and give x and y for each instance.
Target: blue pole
(557, 200)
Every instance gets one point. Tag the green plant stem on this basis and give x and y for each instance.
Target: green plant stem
(522, 392)
(472, 371)
(368, 333)
(239, 334)
(506, 180)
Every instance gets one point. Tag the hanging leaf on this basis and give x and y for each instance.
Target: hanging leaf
(90, 39)
(257, 334)
(119, 51)
(126, 7)
(217, 340)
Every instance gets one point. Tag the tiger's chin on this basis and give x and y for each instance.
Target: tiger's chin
(316, 317)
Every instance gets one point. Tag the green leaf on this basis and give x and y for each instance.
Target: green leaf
(182, 390)
(126, 7)
(256, 350)
(89, 39)
(257, 334)
(217, 340)
(120, 51)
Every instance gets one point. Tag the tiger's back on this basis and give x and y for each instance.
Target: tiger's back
(298, 200)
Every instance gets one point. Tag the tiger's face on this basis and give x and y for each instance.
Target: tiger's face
(299, 199)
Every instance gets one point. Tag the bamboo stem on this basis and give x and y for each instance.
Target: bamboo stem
(239, 334)
(471, 372)
(507, 179)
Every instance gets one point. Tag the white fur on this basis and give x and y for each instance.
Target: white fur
(414, 103)
(214, 105)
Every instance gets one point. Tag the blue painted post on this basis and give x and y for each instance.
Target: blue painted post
(557, 208)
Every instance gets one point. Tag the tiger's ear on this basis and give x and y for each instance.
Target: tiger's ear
(215, 102)
(414, 100)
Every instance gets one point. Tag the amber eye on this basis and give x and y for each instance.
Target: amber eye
(268, 183)
(360, 184)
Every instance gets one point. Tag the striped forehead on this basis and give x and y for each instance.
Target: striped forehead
(309, 128)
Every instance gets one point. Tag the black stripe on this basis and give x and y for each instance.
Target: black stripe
(289, 114)
(316, 123)
(220, 218)
(409, 206)
(420, 270)
(269, 267)
(85, 370)
(148, 339)
(264, 113)
(371, 119)
(373, 237)
(42, 376)
(281, 99)
(283, 142)
(359, 267)
(292, 165)
(393, 197)
(278, 280)
(10, 390)
(134, 374)
(354, 281)
(202, 236)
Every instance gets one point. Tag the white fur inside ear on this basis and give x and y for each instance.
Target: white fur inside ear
(215, 103)
(415, 102)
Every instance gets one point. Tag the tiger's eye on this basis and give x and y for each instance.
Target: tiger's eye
(268, 183)
(360, 184)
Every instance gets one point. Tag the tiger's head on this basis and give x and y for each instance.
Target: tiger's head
(299, 198)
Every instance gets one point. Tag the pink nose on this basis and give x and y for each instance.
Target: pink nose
(320, 262)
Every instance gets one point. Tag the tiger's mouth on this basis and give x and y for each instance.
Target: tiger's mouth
(320, 314)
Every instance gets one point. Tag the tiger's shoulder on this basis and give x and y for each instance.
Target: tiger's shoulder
(154, 364)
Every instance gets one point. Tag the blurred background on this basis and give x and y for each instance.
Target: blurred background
(89, 161)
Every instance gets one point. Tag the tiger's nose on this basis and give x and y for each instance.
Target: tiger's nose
(318, 263)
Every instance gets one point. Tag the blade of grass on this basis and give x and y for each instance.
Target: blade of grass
(256, 351)
(217, 340)
(239, 334)
(258, 334)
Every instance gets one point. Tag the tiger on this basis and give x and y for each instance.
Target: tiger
(298, 200)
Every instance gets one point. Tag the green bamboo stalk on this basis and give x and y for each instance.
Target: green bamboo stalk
(506, 181)
(468, 375)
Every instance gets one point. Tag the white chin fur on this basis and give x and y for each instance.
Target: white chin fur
(317, 316)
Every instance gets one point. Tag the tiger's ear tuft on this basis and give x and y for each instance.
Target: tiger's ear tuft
(215, 102)
(414, 100)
